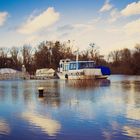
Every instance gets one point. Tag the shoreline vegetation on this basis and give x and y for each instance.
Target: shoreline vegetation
(48, 54)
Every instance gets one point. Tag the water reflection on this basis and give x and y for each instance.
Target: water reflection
(4, 127)
(132, 131)
(132, 109)
(87, 84)
(107, 135)
(75, 109)
(52, 99)
(51, 94)
(131, 98)
(134, 85)
(48, 125)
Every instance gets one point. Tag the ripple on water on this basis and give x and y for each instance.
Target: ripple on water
(71, 110)
(4, 127)
(46, 124)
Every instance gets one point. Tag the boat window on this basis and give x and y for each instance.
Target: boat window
(91, 64)
(65, 67)
(83, 65)
(72, 66)
(87, 65)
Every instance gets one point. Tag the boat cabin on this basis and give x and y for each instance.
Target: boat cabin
(67, 65)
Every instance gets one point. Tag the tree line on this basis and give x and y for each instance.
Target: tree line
(125, 61)
(48, 54)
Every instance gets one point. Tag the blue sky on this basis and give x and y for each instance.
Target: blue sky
(111, 24)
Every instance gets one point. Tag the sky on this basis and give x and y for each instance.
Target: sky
(110, 24)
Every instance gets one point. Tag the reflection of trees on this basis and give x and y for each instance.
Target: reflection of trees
(132, 89)
(22, 91)
(25, 92)
(51, 94)
(87, 84)
(136, 86)
(2, 93)
(18, 91)
(27, 96)
(52, 98)
(5, 90)
(15, 94)
(126, 85)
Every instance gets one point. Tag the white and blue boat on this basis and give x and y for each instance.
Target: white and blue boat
(81, 70)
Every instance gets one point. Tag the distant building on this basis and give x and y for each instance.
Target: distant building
(8, 73)
(45, 73)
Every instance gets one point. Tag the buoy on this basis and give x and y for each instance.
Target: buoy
(41, 91)
(66, 76)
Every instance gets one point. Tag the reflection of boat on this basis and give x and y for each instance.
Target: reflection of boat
(101, 76)
(81, 70)
(84, 84)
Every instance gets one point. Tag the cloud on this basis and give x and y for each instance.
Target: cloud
(66, 27)
(39, 22)
(88, 26)
(46, 124)
(133, 27)
(4, 127)
(115, 14)
(3, 18)
(131, 9)
(106, 7)
(108, 36)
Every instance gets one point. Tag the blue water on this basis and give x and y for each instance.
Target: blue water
(71, 110)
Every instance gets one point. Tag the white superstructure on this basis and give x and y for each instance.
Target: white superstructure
(78, 70)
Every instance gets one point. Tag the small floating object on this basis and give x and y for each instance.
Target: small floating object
(41, 91)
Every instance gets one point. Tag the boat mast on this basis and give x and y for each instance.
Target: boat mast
(77, 57)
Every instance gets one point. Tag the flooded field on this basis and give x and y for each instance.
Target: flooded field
(71, 110)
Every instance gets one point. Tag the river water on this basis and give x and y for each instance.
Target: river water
(71, 110)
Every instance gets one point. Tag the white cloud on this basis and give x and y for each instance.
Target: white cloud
(37, 23)
(108, 37)
(131, 9)
(106, 7)
(115, 14)
(31, 39)
(88, 26)
(132, 27)
(3, 18)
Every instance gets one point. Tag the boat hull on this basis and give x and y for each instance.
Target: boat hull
(101, 77)
(75, 77)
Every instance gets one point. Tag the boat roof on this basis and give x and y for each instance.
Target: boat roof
(83, 61)
(73, 61)
(7, 70)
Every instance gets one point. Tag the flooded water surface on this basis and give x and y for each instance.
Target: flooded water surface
(71, 110)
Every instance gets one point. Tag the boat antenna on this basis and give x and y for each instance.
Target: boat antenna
(77, 55)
